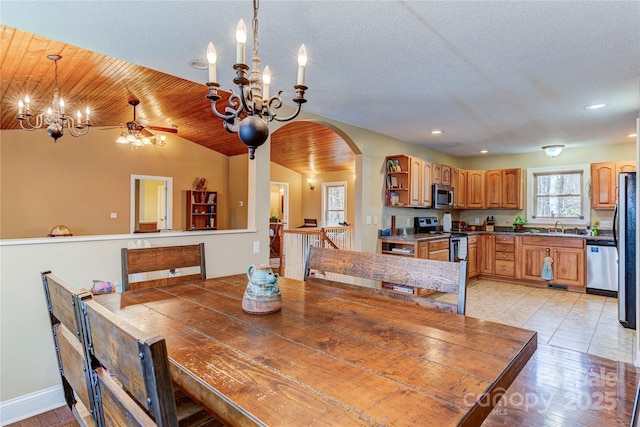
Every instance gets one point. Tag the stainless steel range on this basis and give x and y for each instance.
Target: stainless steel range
(425, 224)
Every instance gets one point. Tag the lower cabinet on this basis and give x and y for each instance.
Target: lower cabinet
(505, 255)
(568, 256)
(472, 257)
(438, 249)
(487, 253)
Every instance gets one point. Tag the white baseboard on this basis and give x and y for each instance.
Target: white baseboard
(32, 404)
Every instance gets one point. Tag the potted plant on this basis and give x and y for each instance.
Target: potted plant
(518, 223)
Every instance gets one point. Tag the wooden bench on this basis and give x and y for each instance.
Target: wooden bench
(157, 259)
(66, 326)
(441, 276)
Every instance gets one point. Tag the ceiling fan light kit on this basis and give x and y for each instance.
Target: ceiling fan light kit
(55, 118)
(249, 112)
(138, 135)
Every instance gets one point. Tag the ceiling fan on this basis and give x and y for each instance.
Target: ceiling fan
(139, 131)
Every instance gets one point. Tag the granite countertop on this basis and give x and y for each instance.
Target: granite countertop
(430, 236)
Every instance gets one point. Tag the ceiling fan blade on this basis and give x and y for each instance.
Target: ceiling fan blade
(172, 129)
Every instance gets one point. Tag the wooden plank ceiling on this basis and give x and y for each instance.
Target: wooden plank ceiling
(106, 84)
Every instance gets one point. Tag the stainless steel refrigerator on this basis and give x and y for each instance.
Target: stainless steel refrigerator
(624, 234)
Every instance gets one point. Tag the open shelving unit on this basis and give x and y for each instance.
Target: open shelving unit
(202, 210)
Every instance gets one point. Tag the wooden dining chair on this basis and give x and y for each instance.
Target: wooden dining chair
(158, 263)
(132, 377)
(66, 326)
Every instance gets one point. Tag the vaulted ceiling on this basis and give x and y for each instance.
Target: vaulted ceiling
(507, 76)
(107, 84)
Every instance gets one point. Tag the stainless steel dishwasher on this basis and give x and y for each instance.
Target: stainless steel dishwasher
(602, 267)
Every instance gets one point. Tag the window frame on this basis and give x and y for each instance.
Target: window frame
(325, 186)
(585, 170)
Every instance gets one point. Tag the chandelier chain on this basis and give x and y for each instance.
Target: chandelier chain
(254, 25)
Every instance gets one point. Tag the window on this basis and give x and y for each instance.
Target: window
(334, 203)
(558, 194)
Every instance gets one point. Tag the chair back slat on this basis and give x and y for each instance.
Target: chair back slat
(63, 304)
(118, 407)
(440, 276)
(156, 259)
(138, 361)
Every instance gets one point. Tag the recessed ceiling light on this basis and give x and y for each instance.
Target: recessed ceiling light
(198, 64)
(595, 106)
(437, 132)
(484, 151)
(633, 135)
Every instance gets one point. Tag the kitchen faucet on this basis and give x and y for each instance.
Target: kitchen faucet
(561, 226)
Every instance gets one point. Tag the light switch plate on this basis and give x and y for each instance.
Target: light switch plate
(256, 247)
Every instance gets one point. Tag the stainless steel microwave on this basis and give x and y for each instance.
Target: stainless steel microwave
(442, 196)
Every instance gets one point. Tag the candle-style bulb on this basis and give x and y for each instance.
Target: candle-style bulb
(20, 106)
(241, 38)
(212, 58)
(266, 81)
(302, 61)
(87, 112)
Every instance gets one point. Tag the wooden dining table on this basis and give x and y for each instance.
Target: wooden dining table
(332, 356)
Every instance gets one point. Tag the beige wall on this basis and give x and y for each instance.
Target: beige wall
(312, 199)
(78, 182)
(294, 179)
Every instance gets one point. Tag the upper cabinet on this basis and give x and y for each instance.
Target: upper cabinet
(503, 189)
(427, 170)
(446, 174)
(475, 189)
(603, 182)
(404, 181)
(459, 185)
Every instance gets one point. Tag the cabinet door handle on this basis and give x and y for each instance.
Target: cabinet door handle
(504, 248)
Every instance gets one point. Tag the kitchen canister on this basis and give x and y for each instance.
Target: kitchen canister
(446, 222)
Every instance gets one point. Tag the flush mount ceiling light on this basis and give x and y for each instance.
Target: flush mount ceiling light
(553, 150)
(632, 135)
(484, 151)
(437, 132)
(595, 106)
(55, 118)
(249, 112)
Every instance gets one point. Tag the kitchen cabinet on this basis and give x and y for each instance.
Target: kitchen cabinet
(403, 181)
(475, 189)
(626, 166)
(486, 245)
(503, 189)
(445, 173)
(472, 257)
(604, 177)
(505, 255)
(460, 188)
(438, 249)
(427, 168)
(436, 173)
(603, 185)
(568, 256)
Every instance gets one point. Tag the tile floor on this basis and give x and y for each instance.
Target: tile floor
(582, 322)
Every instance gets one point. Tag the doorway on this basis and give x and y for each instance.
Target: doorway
(151, 203)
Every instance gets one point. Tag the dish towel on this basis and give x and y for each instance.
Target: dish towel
(547, 271)
(462, 249)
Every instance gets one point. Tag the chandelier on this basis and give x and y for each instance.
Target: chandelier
(55, 118)
(249, 112)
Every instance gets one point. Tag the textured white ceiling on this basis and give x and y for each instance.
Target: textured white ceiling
(507, 76)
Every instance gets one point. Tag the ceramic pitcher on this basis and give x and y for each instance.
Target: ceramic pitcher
(262, 295)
